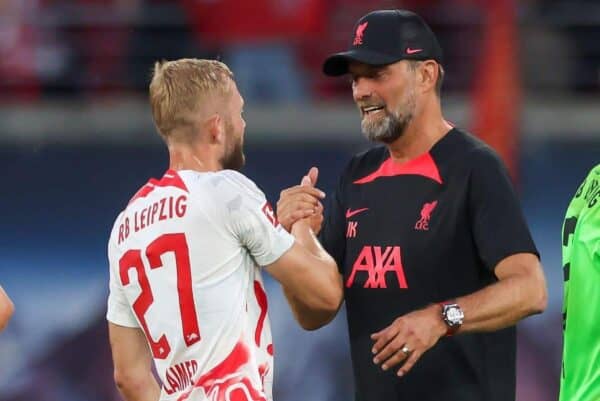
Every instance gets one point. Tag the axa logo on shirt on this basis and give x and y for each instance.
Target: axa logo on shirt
(375, 262)
(423, 223)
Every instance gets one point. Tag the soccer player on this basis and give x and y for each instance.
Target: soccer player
(580, 379)
(7, 308)
(185, 282)
(437, 262)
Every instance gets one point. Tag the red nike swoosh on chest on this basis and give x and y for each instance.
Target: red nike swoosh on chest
(350, 213)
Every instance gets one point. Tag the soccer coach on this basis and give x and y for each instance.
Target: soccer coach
(436, 260)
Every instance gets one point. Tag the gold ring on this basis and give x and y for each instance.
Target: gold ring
(406, 350)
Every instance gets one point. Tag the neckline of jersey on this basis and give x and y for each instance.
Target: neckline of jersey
(423, 165)
(437, 144)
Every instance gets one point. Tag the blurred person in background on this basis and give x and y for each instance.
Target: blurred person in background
(185, 283)
(580, 379)
(18, 43)
(436, 259)
(7, 308)
(258, 39)
(99, 34)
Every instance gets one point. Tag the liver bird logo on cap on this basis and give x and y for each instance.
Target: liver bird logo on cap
(360, 31)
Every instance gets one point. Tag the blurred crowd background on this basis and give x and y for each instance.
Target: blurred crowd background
(77, 139)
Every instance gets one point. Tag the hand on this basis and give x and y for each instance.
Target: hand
(407, 338)
(314, 221)
(302, 202)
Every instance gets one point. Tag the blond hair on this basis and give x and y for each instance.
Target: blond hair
(178, 88)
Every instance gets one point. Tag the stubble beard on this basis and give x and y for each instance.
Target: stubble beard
(234, 159)
(392, 126)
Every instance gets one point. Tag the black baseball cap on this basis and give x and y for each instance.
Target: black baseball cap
(384, 37)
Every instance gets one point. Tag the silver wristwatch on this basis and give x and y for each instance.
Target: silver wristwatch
(452, 315)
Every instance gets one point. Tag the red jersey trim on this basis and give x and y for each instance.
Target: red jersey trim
(423, 165)
(170, 179)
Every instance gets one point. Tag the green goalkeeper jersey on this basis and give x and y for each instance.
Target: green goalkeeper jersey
(580, 378)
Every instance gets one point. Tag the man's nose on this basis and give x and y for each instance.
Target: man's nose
(361, 89)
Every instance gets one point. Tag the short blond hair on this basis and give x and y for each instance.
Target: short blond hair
(179, 87)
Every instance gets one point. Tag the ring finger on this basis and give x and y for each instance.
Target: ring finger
(400, 355)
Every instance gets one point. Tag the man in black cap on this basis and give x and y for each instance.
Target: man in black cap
(435, 258)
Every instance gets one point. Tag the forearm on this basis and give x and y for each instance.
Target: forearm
(139, 389)
(504, 303)
(311, 281)
(318, 280)
(132, 363)
(305, 236)
(310, 287)
(308, 318)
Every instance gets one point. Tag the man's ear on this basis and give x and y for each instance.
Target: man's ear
(428, 75)
(215, 128)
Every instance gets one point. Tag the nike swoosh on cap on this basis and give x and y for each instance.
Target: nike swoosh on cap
(413, 51)
(350, 213)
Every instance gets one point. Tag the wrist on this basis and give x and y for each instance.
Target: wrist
(440, 328)
(301, 224)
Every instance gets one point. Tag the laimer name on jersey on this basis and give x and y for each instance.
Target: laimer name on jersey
(180, 376)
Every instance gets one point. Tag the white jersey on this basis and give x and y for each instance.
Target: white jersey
(184, 267)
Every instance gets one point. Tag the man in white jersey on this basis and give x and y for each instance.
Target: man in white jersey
(185, 254)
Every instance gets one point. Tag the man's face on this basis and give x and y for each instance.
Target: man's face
(235, 125)
(386, 98)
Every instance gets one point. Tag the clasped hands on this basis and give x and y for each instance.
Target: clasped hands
(302, 202)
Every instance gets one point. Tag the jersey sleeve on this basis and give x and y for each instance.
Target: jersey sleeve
(253, 220)
(332, 235)
(118, 311)
(498, 225)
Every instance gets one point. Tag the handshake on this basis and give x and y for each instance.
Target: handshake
(302, 203)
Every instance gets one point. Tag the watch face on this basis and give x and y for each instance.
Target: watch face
(454, 315)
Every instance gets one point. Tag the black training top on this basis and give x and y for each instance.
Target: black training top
(428, 230)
